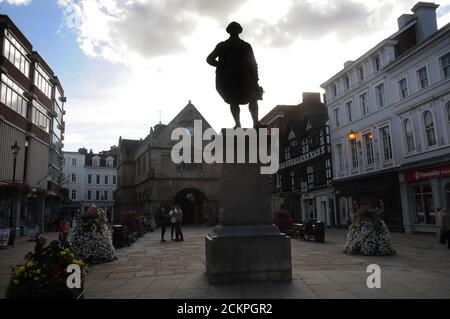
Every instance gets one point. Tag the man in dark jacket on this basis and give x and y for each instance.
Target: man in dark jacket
(237, 74)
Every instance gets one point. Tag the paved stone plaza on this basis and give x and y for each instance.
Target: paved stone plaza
(150, 269)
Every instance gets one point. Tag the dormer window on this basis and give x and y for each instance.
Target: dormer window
(291, 135)
(96, 161)
(109, 162)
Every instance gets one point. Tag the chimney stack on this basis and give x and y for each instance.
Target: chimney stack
(311, 98)
(425, 12)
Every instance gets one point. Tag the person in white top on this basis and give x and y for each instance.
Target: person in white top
(173, 222)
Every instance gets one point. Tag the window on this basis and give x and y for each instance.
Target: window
(354, 154)
(403, 88)
(89, 195)
(106, 179)
(363, 103)
(278, 180)
(448, 112)
(40, 117)
(335, 92)
(105, 195)
(310, 173)
(97, 195)
(11, 95)
(361, 73)
(377, 63)
(16, 53)
(445, 65)
(340, 158)
(348, 107)
(96, 162)
(347, 82)
(114, 195)
(422, 76)
(74, 162)
(368, 145)
(98, 179)
(110, 163)
(74, 194)
(429, 128)
(89, 179)
(292, 175)
(114, 179)
(74, 177)
(386, 143)
(336, 117)
(423, 198)
(409, 136)
(287, 153)
(380, 95)
(42, 81)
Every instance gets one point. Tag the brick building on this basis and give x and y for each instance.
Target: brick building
(31, 117)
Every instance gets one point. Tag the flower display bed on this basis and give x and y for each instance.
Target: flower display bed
(92, 239)
(43, 274)
(369, 236)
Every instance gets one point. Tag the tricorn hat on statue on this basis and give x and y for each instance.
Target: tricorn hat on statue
(234, 28)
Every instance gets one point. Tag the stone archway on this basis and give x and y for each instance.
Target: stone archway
(192, 203)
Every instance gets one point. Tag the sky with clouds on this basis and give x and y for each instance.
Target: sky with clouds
(127, 63)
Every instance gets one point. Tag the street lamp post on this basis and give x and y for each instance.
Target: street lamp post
(15, 150)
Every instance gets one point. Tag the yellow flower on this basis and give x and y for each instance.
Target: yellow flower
(67, 250)
(63, 253)
(30, 264)
(20, 270)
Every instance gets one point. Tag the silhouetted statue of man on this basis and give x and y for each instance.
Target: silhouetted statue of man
(237, 74)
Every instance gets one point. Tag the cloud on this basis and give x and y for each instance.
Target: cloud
(308, 20)
(17, 2)
(117, 29)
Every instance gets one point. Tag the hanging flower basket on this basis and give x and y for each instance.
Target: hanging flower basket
(14, 190)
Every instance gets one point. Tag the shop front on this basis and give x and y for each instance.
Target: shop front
(380, 192)
(425, 191)
(319, 205)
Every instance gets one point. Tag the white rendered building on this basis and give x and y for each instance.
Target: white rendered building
(91, 180)
(390, 125)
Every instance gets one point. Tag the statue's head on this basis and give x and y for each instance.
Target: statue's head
(234, 28)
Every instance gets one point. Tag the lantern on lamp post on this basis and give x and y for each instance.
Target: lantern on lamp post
(15, 150)
(352, 136)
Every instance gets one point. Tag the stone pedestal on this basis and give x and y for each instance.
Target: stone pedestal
(246, 247)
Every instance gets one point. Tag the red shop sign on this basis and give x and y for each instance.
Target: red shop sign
(427, 174)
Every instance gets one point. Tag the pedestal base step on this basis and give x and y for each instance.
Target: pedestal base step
(243, 259)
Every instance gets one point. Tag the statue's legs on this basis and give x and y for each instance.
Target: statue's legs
(235, 110)
(253, 106)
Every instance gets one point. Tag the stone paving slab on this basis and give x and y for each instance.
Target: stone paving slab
(151, 269)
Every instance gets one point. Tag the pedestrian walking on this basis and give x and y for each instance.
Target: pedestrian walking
(63, 231)
(179, 220)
